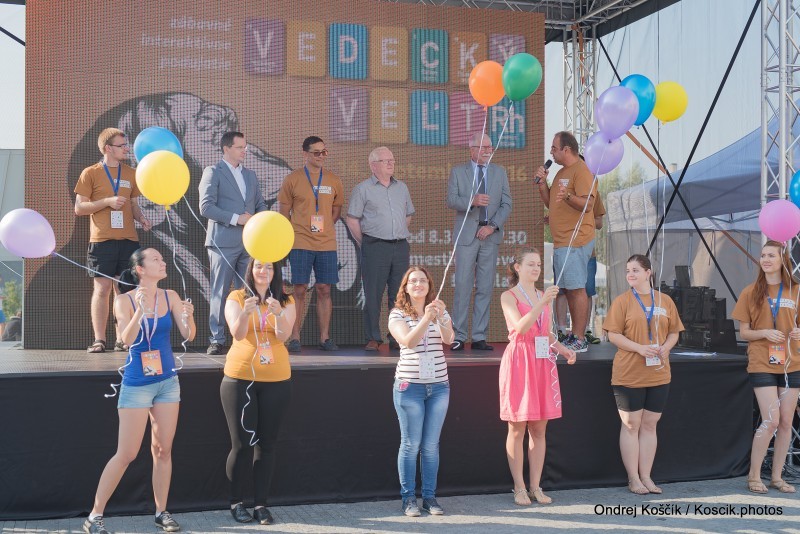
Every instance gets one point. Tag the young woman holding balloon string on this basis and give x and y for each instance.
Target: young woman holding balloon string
(768, 321)
(256, 388)
(644, 325)
(150, 387)
(529, 390)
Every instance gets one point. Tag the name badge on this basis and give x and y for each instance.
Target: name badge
(124, 183)
(265, 356)
(777, 354)
(117, 220)
(151, 363)
(542, 344)
(427, 369)
(317, 223)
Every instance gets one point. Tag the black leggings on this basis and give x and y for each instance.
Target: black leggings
(268, 404)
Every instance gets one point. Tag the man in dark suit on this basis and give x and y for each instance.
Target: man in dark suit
(476, 249)
(229, 196)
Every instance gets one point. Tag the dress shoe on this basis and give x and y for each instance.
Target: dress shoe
(457, 345)
(263, 516)
(372, 345)
(240, 514)
(481, 345)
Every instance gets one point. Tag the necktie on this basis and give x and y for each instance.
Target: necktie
(484, 213)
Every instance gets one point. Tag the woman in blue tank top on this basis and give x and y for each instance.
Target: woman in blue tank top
(150, 388)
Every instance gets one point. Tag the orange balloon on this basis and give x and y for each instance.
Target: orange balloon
(486, 83)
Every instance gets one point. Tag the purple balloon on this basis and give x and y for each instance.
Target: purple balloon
(602, 154)
(27, 234)
(780, 220)
(616, 111)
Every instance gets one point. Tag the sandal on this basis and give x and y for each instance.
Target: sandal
(119, 346)
(538, 495)
(782, 486)
(650, 485)
(521, 497)
(641, 489)
(97, 347)
(754, 485)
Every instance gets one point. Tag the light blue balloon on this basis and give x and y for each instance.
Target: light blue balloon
(645, 93)
(794, 189)
(155, 138)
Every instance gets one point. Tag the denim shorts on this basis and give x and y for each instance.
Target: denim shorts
(324, 262)
(168, 390)
(577, 262)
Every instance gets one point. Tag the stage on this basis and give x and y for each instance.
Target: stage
(340, 439)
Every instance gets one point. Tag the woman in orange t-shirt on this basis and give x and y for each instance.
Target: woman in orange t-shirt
(767, 315)
(644, 325)
(256, 388)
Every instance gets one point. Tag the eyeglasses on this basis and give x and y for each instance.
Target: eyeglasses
(318, 153)
(385, 161)
(417, 281)
(123, 145)
(483, 148)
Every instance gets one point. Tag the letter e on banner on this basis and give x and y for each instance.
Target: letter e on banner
(305, 48)
(388, 54)
(388, 116)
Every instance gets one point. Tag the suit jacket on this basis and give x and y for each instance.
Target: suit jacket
(220, 199)
(463, 180)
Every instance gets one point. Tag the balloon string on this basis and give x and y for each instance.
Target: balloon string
(128, 361)
(93, 271)
(10, 269)
(184, 315)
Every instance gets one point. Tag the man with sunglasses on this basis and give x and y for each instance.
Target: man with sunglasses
(478, 191)
(312, 198)
(106, 192)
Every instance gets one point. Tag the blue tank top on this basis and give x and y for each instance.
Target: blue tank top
(133, 374)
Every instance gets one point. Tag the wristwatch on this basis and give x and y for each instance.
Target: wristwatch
(493, 225)
(569, 195)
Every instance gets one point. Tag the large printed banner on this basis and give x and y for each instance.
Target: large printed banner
(359, 74)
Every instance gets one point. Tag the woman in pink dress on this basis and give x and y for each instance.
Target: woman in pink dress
(529, 391)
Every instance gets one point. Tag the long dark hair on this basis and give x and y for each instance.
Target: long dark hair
(129, 278)
(275, 286)
(760, 287)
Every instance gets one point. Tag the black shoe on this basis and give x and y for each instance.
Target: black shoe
(263, 516)
(215, 349)
(481, 345)
(329, 345)
(432, 507)
(294, 346)
(240, 514)
(457, 345)
(410, 507)
(95, 526)
(166, 522)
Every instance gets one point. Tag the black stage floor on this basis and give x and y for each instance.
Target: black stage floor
(339, 441)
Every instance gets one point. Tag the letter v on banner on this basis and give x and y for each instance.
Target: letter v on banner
(263, 47)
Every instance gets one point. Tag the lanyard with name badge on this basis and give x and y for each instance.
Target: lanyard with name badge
(541, 343)
(151, 359)
(655, 360)
(117, 220)
(777, 352)
(317, 221)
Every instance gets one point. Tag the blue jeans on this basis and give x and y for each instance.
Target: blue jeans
(421, 409)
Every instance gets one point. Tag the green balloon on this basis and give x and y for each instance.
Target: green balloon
(522, 75)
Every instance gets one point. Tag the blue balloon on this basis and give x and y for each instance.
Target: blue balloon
(155, 138)
(794, 189)
(645, 93)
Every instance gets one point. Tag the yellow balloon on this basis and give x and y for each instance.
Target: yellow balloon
(268, 236)
(162, 177)
(671, 101)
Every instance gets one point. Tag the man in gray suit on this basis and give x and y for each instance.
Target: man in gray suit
(229, 196)
(476, 249)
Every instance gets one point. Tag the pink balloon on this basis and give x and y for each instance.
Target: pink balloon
(26, 233)
(602, 155)
(780, 220)
(616, 111)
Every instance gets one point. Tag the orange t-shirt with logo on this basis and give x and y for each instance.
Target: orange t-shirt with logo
(297, 193)
(626, 317)
(563, 217)
(95, 185)
(760, 318)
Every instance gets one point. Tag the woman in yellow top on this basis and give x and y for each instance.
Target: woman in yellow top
(256, 388)
(767, 315)
(644, 325)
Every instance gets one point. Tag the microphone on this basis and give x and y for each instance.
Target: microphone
(546, 166)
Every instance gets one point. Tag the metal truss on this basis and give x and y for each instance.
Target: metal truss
(580, 72)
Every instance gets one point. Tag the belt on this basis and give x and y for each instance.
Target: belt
(483, 223)
(384, 240)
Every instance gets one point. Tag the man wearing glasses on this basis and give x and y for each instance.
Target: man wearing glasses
(106, 192)
(571, 209)
(312, 198)
(229, 196)
(486, 184)
(378, 216)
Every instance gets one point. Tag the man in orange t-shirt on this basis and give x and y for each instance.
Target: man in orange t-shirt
(573, 228)
(106, 192)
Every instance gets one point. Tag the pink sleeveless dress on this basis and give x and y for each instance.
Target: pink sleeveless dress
(529, 387)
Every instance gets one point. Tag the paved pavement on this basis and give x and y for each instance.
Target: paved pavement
(718, 506)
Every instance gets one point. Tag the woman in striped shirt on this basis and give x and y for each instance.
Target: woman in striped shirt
(420, 323)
